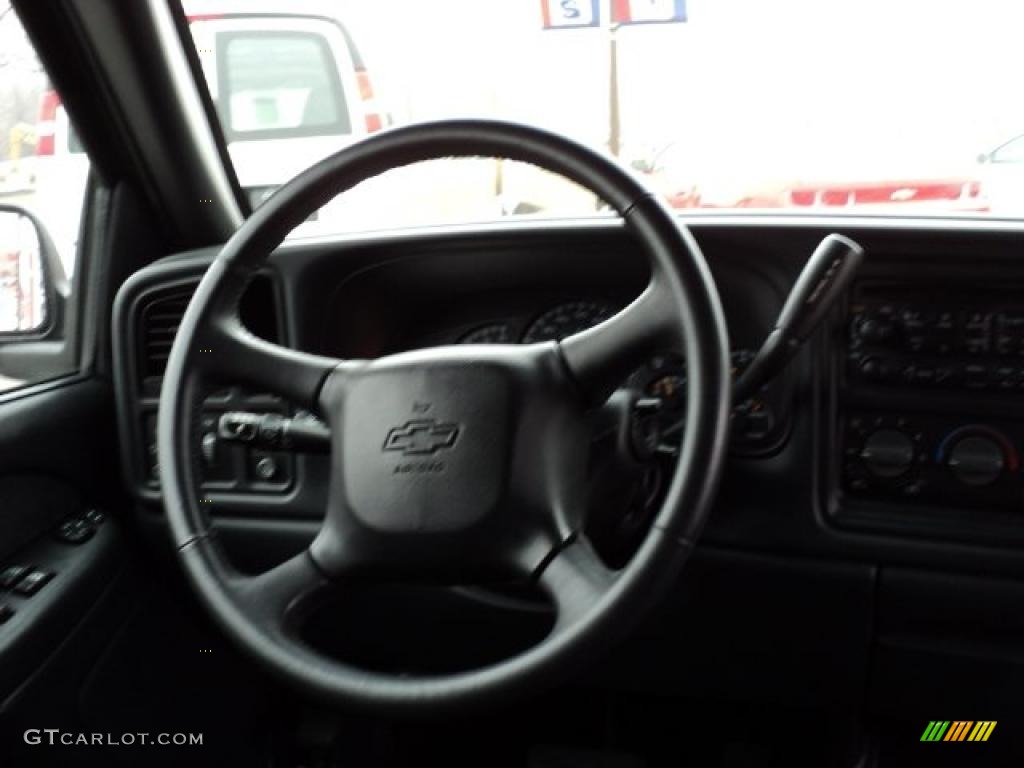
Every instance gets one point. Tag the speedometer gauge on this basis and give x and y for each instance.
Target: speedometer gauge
(567, 319)
(496, 333)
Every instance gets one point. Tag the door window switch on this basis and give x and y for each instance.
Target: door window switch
(12, 574)
(94, 516)
(6, 612)
(75, 531)
(33, 582)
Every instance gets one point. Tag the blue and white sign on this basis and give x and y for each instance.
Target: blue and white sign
(570, 14)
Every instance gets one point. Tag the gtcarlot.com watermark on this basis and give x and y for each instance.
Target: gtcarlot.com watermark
(55, 737)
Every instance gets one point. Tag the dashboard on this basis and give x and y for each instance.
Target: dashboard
(899, 422)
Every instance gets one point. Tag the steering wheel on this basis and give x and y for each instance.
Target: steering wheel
(450, 465)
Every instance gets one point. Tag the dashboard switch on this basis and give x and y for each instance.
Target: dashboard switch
(266, 469)
(209, 448)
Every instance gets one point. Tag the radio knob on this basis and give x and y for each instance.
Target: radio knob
(876, 328)
(977, 460)
(888, 453)
(870, 368)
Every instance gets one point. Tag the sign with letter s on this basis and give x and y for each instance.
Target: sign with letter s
(570, 14)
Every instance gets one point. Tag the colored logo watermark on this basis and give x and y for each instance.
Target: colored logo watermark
(958, 730)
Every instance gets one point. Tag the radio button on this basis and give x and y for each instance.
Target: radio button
(925, 375)
(945, 376)
(976, 376)
(1006, 378)
(978, 321)
(1012, 321)
(976, 345)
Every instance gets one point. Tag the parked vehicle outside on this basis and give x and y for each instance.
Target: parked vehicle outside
(291, 87)
(687, 181)
(955, 195)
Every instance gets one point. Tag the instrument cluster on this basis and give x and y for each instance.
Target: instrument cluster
(553, 324)
(663, 377)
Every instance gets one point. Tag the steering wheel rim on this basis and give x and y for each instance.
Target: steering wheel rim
(546, 387)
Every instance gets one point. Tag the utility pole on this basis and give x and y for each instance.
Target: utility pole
(614, 107)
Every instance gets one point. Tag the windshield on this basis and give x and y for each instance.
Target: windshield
(880, 107)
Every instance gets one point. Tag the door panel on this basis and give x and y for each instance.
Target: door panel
(57, 463)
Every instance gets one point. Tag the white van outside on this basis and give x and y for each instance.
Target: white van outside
(290, 86)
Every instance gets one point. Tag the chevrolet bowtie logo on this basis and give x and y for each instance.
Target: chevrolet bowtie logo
(421, 437)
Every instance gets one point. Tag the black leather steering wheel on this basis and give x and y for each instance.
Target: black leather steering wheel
(453, 464)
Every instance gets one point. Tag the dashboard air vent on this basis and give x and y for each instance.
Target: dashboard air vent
(159, 319)
(159, 315)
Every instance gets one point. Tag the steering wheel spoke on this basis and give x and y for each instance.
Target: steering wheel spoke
(231, 353)
(279, 598)
(602, 357)
(576, 580)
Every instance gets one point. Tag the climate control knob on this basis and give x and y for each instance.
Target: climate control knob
(888, 453)
(977, 460)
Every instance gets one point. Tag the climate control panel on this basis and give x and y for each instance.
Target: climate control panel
(933, 459)
(929, 387)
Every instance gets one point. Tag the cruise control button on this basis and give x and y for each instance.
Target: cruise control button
(33, 582)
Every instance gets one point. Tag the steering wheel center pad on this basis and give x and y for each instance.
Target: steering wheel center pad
(442, 454)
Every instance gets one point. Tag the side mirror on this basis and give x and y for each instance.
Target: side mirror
(33, 286)
(984, 157)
